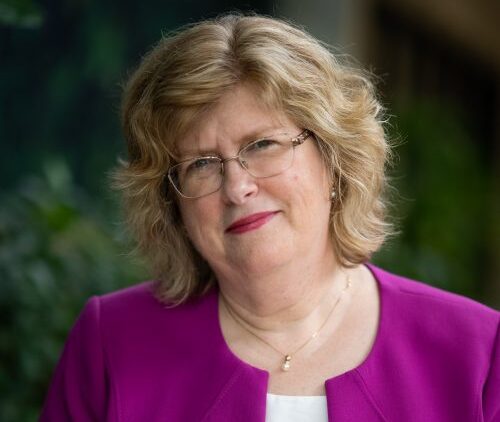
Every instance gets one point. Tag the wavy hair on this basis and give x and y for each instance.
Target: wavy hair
(186, 73)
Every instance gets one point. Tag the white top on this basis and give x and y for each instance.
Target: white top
(296, 408)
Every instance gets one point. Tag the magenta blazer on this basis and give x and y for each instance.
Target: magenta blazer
(128, 358)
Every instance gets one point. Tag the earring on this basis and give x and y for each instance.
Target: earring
(333, 194)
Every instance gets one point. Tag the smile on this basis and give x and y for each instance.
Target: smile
(251, 222)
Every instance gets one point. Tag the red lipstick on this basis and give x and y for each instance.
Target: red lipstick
(251, 222)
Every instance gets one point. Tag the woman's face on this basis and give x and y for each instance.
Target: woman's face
(295, 204)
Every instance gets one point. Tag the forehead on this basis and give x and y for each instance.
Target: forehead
(237, 118)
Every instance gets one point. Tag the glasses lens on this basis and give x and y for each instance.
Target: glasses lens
(197, 177)
(202, 176)
(268, 157)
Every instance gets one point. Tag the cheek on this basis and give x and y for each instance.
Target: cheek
(312, 184)
(200, 220)
(191, 216)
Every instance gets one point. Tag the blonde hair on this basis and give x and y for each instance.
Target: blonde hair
(187, 72)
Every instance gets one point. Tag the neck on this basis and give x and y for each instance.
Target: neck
(287, 302)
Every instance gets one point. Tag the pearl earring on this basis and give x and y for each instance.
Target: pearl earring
(333, 194)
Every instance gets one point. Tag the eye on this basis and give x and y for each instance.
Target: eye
(261, 145)
(201, 164)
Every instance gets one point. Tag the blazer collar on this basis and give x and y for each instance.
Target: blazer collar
(243, 395)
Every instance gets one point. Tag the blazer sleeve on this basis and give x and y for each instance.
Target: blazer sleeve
(79, 387)
(491, 390)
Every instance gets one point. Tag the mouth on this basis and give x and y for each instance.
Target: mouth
(250, 222)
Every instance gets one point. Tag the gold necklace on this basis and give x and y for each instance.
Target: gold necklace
(285, 366)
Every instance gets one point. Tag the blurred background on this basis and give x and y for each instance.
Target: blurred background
(62, 64)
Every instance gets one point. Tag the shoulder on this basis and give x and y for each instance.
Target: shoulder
(429, 301)
(425, 318)
(127, 349)
(132, 322)
(436, 345)
(133, 308)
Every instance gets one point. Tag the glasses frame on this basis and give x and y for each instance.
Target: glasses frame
(296, 141)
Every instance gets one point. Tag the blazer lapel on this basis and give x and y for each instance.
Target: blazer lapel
(349, 400)
(242, 399)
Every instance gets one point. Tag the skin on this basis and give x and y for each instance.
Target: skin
(281, 279)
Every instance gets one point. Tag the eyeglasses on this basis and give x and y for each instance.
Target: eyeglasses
(265, 157)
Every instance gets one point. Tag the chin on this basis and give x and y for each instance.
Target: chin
(262, 259)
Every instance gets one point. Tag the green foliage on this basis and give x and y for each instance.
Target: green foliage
(20, 13)
(442, 204)
(56, 250)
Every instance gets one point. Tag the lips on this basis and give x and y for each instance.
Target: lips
(251, 222)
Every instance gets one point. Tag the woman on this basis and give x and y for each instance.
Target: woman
(254, 184)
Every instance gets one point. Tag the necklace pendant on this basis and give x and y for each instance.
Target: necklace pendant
(285, 366)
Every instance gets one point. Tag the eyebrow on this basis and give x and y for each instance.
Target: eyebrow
(248, 138)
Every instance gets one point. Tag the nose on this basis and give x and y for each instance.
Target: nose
(238, 185)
